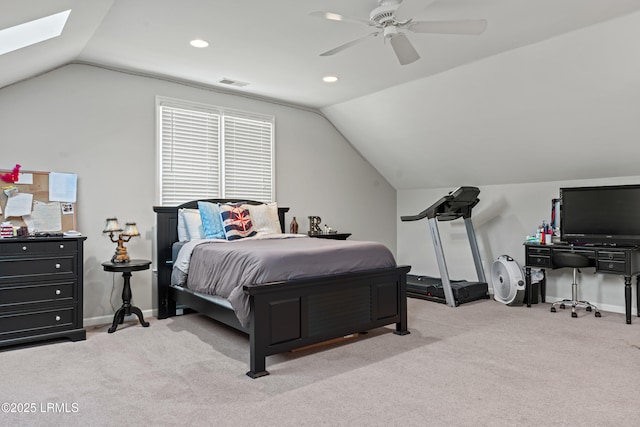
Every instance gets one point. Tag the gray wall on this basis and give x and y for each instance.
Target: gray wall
(504, 217)
(101, 125)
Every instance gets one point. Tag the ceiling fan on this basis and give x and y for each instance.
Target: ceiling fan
(391, 16)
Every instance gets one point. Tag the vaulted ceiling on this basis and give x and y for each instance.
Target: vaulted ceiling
(386, 110)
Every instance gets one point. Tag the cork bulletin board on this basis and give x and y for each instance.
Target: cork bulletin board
(47, 214)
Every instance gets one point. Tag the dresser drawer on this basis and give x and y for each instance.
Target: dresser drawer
(35, 266)
(18, 296)
(538, 250)
(611, 256)
(542, 261)
(17, 324)
(35, 247)
(606, 266)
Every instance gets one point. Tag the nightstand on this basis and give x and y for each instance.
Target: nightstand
(334, 236)
(126, 268)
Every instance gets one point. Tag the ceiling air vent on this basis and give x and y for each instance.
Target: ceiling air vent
(235, 83)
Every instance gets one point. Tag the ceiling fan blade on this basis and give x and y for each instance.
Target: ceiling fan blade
(348, 44)
(409, 8)
(404, 50)
(468, 27)
(337, 17)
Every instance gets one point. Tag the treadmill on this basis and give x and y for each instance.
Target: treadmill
(457, 204)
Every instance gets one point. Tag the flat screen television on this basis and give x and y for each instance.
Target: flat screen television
(604, 215)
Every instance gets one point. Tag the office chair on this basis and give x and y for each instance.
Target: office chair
(575, 261)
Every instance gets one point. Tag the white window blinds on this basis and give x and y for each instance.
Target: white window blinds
(209, 152)
(248, 158)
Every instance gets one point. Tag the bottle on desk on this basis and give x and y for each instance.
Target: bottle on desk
(543, 232)
(293, 228)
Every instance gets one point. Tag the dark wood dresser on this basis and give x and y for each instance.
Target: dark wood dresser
(41, 289)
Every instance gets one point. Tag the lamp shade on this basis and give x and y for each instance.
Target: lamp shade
(130, 229)
(112, 226)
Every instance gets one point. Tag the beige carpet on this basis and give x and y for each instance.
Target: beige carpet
(480, 364)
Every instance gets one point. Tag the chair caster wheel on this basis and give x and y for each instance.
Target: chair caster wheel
(574, 314)
(562, 306)
(598, 314)
(589, 309)
(553, 309)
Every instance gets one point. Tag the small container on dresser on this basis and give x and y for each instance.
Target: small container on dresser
(41, 289)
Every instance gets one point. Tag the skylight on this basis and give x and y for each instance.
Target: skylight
(39, 30)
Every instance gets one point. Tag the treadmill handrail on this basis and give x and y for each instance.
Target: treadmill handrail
(420, 216)
(449, 207)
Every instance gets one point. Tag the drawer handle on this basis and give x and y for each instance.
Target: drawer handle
(57, 318)
(61, 246)
(610, 265)
(57, 265)
(58, 292)
(24, 248)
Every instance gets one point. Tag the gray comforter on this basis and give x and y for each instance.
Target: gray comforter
(223, 268)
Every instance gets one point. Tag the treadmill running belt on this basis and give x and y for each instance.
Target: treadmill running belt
(431, 289)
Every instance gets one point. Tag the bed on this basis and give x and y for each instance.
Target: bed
(287, 314)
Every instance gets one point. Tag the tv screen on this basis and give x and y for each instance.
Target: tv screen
(606, 215)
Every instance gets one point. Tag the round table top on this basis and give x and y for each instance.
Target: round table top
(131, 265)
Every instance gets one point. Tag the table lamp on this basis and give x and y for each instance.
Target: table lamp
(130, 230)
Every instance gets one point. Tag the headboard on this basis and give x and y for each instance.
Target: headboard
(167, 235)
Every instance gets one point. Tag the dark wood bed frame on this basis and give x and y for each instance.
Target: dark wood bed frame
(292, 314)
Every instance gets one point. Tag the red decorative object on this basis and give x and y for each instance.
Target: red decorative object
(13, 176)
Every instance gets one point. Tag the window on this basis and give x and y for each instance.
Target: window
(211, 152)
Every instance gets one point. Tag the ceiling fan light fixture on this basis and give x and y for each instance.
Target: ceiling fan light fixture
(392, 17)
(199, 43)
(390, 31)
(330, 79)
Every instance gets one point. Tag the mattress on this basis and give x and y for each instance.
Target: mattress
(223, 268)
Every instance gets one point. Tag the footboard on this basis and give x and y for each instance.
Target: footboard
(289, 315)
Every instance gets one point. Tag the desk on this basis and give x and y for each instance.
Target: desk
(126, 268)
(622, 261)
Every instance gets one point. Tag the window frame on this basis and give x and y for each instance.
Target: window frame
(223, 140)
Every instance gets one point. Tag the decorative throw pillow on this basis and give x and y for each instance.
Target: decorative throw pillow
(236, 221)
(183, 235)
(192, 224)
(265, 218)
(210, 216)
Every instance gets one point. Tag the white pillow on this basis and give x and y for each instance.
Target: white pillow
(189, 225)
(265, 218)
(183, 236)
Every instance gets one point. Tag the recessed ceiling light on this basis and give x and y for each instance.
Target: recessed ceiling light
(32, 32)
(199, 43)
(330, 79)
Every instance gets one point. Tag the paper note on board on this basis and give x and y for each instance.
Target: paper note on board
(46, 216)
(25, 178)
(19, 204)
(63, 187)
